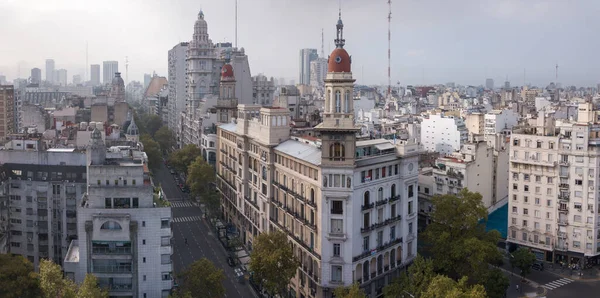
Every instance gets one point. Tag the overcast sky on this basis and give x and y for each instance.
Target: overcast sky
(433, 41)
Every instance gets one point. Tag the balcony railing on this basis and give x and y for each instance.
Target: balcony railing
(563, 222)
(112, 269)
(393, 199)
(297, 239)
(367, 207)
(117, 287)
(563, 197)
(563, 209)
(112, 251)
(381, 202)
(563, 185)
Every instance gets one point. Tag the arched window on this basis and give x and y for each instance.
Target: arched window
(349, 182)
(240, 159)
(338, 101)
(379, 264)
(111, 225)
(302, 190)
(284, 181)
(347, 102)
(366, 270)
(393, 257)
(367, 198)
(324, 181)
(293, 185)
(337, 151)
(312, 195)
(264, 173)
(255, 165)
(393, 191)
(380, 194)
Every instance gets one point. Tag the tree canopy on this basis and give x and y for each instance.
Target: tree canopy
(204, 277)
(443, 287)
(353, 291)
(152, 150)
(496, 283)
(522, 258)
(165, 138)
(52, 282)
(272, 261)
(17, 277)
(200, 176)
(457, 238)
(415, 282)
(182, 158)
(148, 123)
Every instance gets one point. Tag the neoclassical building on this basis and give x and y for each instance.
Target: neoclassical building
(348, 206)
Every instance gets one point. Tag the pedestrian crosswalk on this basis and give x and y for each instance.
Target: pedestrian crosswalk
(186, 219)
(179, 204)
(557, 283)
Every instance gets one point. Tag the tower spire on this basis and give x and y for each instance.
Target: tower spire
(340, 41)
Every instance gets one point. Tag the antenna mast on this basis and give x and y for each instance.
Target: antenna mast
(236, 23)
(126, 69)
(322, 44)
(389, 49)
(86, 63)
(556, 72)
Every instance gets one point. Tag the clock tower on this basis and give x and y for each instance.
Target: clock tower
(338, 130)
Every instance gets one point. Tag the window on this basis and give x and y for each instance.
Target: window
(337, 207)
(336, 249)
(337, 226)
(336, 273)
(513, 221)
(111, 225)
(411, 192)
(525, 223)
(166, 275)
(367, 199)
(165, 241)
(514, 209)
(379, 238)
(165, 223)
(525, 211)
(337, 151)
(338, 99)
(366, 220)
(144, 260)
(548, 227)
(410, 207)
(392, 232)
(366, 243)
(165, 259)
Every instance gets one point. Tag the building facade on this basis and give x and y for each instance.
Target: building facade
(124, 238)
(263, 90)
(95, 74)
(444, 134)
(349, 207)
(109, 68)
(306, 56)
(553, 199)
(177, 84)
(36, 76)
(50, 71)
(7, 111)
(61, 77)
(318, 71)
(499, 122)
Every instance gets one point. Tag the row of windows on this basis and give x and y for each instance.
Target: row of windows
(366, 176)
(116, 182)
(298, 167)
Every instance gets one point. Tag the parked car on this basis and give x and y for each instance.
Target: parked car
(173, 172)
(230, 261)
(538, 266)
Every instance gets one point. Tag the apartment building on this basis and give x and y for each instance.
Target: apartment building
(43, 187)
(499, 122)
(349, 207)
(442, 133)
(553, 200)
(124, 237)
(7, 110)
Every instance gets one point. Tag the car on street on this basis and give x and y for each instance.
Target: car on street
(537, 266)
(173, 172)
(230, 261)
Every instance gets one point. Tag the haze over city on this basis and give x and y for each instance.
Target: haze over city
(432, 41)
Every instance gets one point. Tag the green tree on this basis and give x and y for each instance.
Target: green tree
(90, 289)
(444, 287)
(212, 202)
(52, 282)
(202, 277)
(522, 258)
(17, 277)
(457, 238)
(181, 159)
(353, 291)
(415, 282)
(273, 262)
(496, 283)
(200, 176)
(165, 138)
(152, 150)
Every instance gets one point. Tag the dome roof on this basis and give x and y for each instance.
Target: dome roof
(339, 61)
(132, 129)
(227, 72)
(117, 80)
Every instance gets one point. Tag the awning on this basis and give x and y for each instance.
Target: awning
(385, 146)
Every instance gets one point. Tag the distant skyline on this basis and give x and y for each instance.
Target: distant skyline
(433, 41)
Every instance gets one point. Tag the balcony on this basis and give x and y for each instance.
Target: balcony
(563, 186)
(117, 287)
(112, 269)
(367, 207)
(112, 251)
(394, 198)
(228, 167)
(297, 239)
(563, 209)
(562, 235)
(563, 222)
(563, 197)
(381, 202)
(563, 162)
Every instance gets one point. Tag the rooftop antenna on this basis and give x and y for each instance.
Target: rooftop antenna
(556, 72)
(86, 62)
(322, 44)
(389, 49)
(126, 69)
(236, 23)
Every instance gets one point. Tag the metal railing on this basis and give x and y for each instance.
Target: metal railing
(111, 269)
(111, 251)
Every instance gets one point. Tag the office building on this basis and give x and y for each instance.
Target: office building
(36, 76)
(50, 71)
(489, 84)
(348, 207)
(147, 79)
(61, 77)
(443, 134)
(44, 186)
(499, 122)
(95, 74)
(124, 238)
(318, 71)
(306, 56)
(109, 68)
(263, 90)
(177, 84)
(76, 80)
(7, 110)
(553, 201)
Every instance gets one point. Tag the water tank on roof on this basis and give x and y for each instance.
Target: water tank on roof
(83, 125)
(100, 126)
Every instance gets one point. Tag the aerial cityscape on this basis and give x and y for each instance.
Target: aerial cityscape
(304, 149)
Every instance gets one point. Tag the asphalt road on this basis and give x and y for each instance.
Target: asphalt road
(202, 242)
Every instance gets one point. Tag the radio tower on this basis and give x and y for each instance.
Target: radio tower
(126, 70)
(322, 44)
(557, 73)
(389, 92)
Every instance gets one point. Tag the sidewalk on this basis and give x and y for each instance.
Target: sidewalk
(591, 274)
(527, 287)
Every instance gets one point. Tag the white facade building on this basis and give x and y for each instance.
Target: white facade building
(124, 237)
(263, 90)
(499, 122)
(443, 134)
(318, 72)
(553, 197)
(177, 84)
(109, 68)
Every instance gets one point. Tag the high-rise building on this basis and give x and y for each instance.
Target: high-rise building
(50, 71)
(349, 207)
(76, 79)
(318, 71)
(443, 134)
(177, 84)
(7, 113)
(148, 78)
(306, 56)
(95, 74)
(2, 80)
(553, 203)
(36, 76)
(109, 68)
(263, 90)
(489, 84)
(61, 77)
(44, 186)
(124, 238)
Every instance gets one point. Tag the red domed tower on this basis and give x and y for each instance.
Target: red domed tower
(338, 130)
(227, 101)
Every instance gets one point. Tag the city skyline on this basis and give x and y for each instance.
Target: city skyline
(433, 42)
